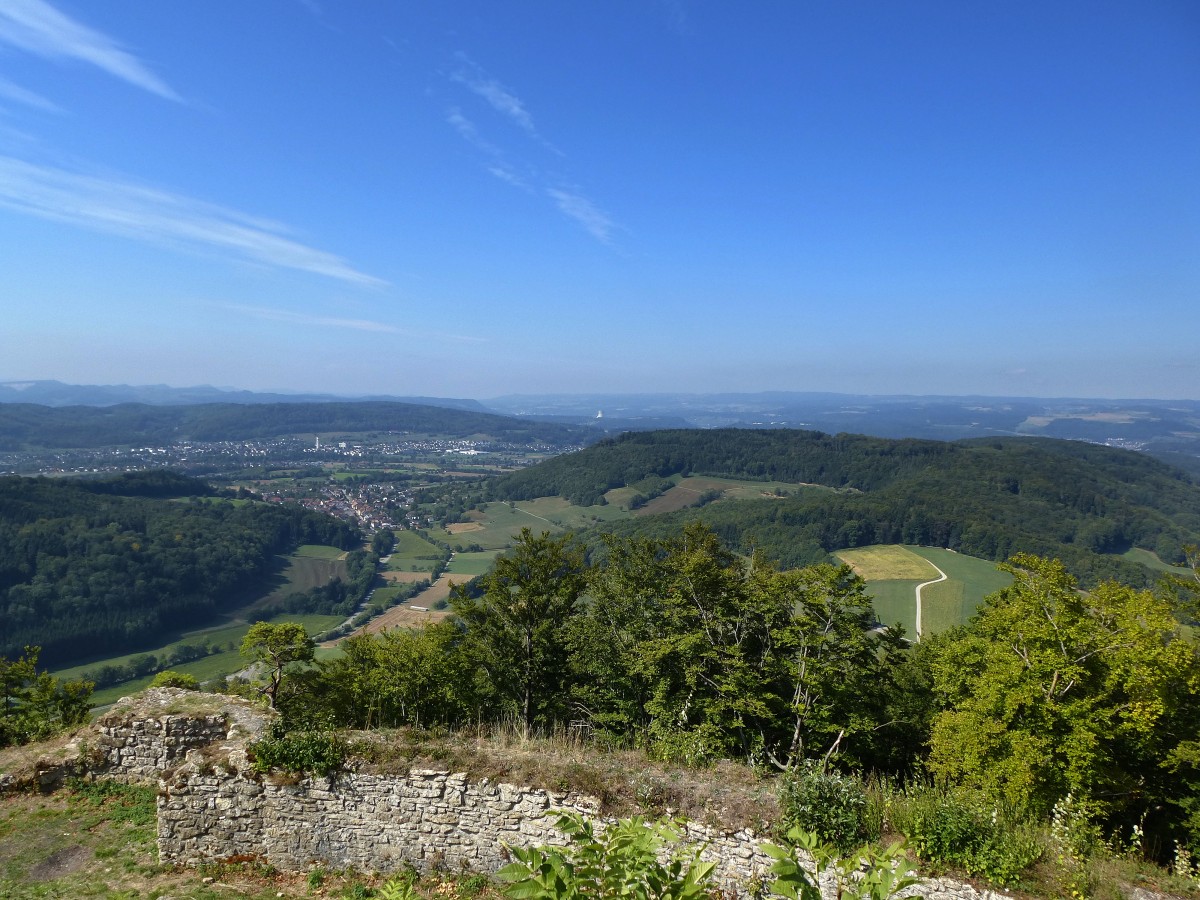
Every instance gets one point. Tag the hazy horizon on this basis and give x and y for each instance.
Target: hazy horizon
(471, 200)
(12, 385)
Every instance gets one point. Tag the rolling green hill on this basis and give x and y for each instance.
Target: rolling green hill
(1086, 504)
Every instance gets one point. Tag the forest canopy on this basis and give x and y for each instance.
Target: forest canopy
(112, 564)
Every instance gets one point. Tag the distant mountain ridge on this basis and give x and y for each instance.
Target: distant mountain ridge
(58, 393)
(27, 426)
(1169, 430)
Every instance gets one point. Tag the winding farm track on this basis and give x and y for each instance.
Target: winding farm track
(925, 585)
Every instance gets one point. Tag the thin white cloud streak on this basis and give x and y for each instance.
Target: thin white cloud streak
(584, 212)
(571, 203)
(37, 27)
(497, 95)
(297, 318)
(508, 176)
(159, 217)
(18, 94)
(468, 132)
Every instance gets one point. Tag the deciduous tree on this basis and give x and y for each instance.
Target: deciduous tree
(518, 624)
(277, 646)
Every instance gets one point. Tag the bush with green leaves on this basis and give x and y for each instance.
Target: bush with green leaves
(318, 752)
(620, 862)
(831, 805)
(173, 679)
(960, 829)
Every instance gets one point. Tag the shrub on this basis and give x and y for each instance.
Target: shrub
(171, 678)
(960, 829)
(319, 752)
(830, 805)
(869, 874)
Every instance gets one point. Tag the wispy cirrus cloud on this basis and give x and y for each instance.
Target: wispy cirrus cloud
(18, 94)
(316, 321)
(154, 216)
(570, 202)
(508, 176)
(583, 211)
(37, 27)
(468, 132)
(497, 95)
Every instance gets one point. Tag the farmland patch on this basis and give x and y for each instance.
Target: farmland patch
(887, 562)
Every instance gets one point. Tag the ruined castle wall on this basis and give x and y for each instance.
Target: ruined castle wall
(212, 807)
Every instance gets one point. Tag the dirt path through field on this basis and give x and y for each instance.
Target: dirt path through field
(925, 585)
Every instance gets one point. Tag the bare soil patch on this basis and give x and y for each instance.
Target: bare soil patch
(463, 527)
(404, 616)
(405, 577)
(60, 863)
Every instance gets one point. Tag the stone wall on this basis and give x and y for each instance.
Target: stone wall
(140, 739)
(428, 819)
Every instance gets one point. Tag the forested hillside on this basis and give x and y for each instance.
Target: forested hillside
(991, 498)
(26, 426)
(108, 565)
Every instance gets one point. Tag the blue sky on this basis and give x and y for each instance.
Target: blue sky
(476, 198)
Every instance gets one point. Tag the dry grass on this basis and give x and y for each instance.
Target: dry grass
(405, 577)
(726, 796)
(887, 562)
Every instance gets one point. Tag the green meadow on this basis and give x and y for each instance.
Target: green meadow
(892, 573)
(472, 564)
(413, 553)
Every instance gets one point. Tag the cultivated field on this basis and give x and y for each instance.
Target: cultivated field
(1151, 561)
(498, 524)
(946, 604)
(319, 551)
(892, 573)
(887, 562)
(467, 565)
(896, 602)
(404, 616)
(299, 574)
(403, 577)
